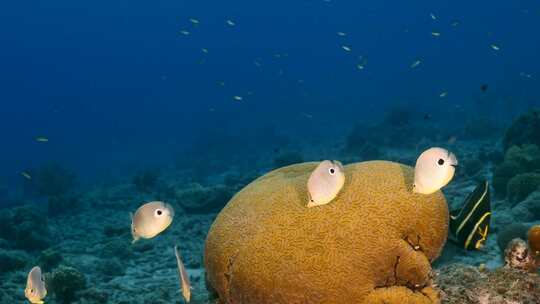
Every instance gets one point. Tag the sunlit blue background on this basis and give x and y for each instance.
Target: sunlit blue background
(114, 84)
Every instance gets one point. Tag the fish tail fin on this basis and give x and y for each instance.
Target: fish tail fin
(469, 225)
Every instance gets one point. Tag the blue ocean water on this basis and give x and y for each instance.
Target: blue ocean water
(207, 88)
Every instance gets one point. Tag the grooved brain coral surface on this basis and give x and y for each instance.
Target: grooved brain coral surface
(374, 241)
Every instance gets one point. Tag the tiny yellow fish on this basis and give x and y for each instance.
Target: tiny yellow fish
(42, 139)
(238, 98)
(416, 63)
(495, 47)
(435, 34)
(184, 32)
(230, 22)
(26, 175)
(194, 21)
(346, 48)
(443, 94)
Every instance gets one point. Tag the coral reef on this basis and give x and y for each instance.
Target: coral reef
(65, 282)
(53, 180)
(517, 256)
(503, 173)
(376, 233)
(524, 130)
(357, 143)
(481, 128)
(49, 259)
(196, 198)
(524, 255)
(528, 210)
(24, 228)
(12, 260)
(466, 284)
(521, 185)
(533, 238)
(63, 204)
(146, 181)
(517, 160)
(510, 232)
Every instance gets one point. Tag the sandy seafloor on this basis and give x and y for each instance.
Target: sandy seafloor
(145, 272)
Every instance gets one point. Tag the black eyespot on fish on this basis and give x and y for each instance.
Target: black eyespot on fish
(32, 290)
(332, 171)
(159, 212)
(440, 162)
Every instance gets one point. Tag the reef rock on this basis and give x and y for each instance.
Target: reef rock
(521, 185)
(24, 228)
(464, 284)
(200, 199)
(524, 130)
(374, 243)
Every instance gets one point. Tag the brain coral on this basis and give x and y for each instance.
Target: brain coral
(373, 244)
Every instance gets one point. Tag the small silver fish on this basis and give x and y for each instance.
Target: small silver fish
(194, 21)
(238, 98)
(26, 175)
(495, 47)
(230, 22)
(416, 63)
(150, 220)
(42, 139)
(325, 182)
(346, 48)
(434, 169)
(185, 284)
(35, 290)
(443, 94)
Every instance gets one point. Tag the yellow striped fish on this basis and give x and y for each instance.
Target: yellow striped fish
(469, 226)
